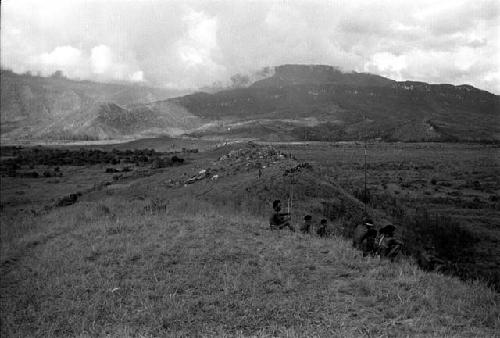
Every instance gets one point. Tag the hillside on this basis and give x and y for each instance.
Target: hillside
(294, 102)
(36, 108)
(350, 106)
(186, 251)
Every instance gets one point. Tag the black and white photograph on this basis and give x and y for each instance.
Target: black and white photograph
(250, 168)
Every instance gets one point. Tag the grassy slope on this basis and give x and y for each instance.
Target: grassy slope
(105, 267)
(403, 174)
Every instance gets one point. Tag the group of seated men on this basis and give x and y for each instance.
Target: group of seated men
(366, 238)
(281, 220)
(372, 242)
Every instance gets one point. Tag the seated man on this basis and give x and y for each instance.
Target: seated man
(364, 238)
(306, 227)
(368, 242)
(321, 232)
(279, 220)
(389, 246)
(427, 259)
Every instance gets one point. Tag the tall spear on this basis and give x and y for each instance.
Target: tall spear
(291, 201)
(365, 177)
(365, 200)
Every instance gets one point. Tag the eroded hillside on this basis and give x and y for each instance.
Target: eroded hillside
(36, 108)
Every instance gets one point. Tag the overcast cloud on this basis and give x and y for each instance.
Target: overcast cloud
(195, 43)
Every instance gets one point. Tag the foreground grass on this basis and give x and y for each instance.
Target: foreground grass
(109, 269)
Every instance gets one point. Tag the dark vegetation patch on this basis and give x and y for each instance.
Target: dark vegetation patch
(71, 173)
(20, 162)
(84, 156)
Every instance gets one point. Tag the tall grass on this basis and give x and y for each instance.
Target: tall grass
(118, 268)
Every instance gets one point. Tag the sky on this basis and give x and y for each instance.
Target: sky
(191, 44)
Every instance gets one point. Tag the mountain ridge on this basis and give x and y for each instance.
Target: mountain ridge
(359, 105)
(280, 106)
(292, 74)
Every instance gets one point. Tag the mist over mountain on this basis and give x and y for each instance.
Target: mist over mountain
(288, 75)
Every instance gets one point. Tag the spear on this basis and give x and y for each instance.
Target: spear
(365, 179)
(291, 201)
(364, 118)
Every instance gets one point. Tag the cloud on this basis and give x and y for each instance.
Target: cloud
(387, 64)
(196, 46)
(68, 59)
(65, 56)
(194, 43)
(99, 63)
(101, 59)
(196, 49)
(106, 65)
(137, 76)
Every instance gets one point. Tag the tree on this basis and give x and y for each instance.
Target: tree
(239, 81)
(58, 74)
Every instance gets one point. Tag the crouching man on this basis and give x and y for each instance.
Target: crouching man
(364, 238)
(388, 246)
(279, 220)
(322, 229)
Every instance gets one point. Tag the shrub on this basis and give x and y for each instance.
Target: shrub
(156, 205)
(450, 240)
(334, 209)
(176, 159)
(362, 196)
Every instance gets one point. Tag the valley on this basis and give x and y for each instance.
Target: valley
(145, 212)
(181, 248)
(250, 169)
(455, 183)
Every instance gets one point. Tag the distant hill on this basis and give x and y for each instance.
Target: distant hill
(286, 103)
(288, 75)
(39, 108)
(349, 106)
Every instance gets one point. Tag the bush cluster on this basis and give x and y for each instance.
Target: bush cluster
(18, 157)
(80, 157)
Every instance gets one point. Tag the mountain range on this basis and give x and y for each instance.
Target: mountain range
(293, 102)
(316, 102)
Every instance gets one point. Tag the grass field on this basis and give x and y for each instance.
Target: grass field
(460, 181)
(156, 257)
(106, 268)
